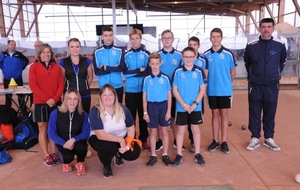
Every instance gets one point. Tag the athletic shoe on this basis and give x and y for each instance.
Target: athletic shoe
(192, 149)
(199, 159)
(166, 160)
(55, 158)
(254, 143)
(224, 147)
(178, 160)
(118, 160)
(145, 146)
(213, 146)
(67, 168)
(80, 168)
(107, 172)
(48, 161)
(152, 161)
(158, 145)
(270, 143)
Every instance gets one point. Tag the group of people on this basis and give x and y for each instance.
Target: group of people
(164, 88)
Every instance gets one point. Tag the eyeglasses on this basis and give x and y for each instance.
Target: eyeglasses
(168, 38)
(188, 57)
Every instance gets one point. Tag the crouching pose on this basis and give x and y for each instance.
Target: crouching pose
(112, 131)
(69, 129)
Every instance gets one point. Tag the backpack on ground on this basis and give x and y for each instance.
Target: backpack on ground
(26, 134)
(4, 155)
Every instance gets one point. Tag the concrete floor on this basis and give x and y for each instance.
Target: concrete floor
(260, 169)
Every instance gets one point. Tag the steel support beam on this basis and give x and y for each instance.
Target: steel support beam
(2, 22)
(14, 19)
(281, 11)
(35, 22)
(270, 12)
(296, 6)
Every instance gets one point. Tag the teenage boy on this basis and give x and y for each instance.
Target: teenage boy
(107, 63)
(188, 89)
(200, 62)
(136, 61)
(170, 59)
(221, 72)
(157, 100)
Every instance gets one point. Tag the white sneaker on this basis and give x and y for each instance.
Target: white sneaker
(270, 143)
(254, 143)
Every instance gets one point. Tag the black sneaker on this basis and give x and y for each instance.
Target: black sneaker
(118, 160)
(224, 147)
(199, 159)
(152, 161)
(213, 146)
(158, 145)
(107, 172)
(166, 160)
(178, 160)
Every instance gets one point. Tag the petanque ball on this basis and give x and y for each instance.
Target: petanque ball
(297, 178)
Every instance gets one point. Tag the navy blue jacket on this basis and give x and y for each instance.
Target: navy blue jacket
(264, 61)
(13, 65)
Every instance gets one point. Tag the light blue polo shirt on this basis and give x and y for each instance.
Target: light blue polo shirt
(188, 84)
(157, 87)
(219, 65)
(170, 61)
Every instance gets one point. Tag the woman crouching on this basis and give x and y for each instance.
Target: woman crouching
(112, 131)
(69, 129)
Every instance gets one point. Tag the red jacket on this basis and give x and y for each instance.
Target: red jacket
(46, 83)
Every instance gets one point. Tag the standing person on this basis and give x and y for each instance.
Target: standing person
(37, 45)
(136, 60)
(264, 59)
(157, 101)
(188, 89)
(69, 129)
(47, 84)
(200, 62)
(112, 131)
(12, 64)
(78, 72)
(107, 63)
(221, 73)
(170, 59)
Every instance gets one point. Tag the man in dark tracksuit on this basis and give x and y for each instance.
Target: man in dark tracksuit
(12, 64)
(264, 60)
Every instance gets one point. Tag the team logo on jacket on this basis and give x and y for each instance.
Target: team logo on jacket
(142, 56)
(150, 82)
(174, 61)
(161, 81)
(114, 53)
(194, 75)
(221, 56)
(182, 76)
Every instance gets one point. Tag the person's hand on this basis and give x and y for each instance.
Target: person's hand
(142, 69)
(146, 118)
(168, 116)
(51, 103)
(124, 149)
(193, 106)
(69, 144)
(187, 108)
(123, 143)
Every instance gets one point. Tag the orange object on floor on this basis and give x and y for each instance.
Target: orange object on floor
(7, 131)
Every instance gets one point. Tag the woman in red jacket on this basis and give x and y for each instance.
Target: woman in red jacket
(47, 84)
